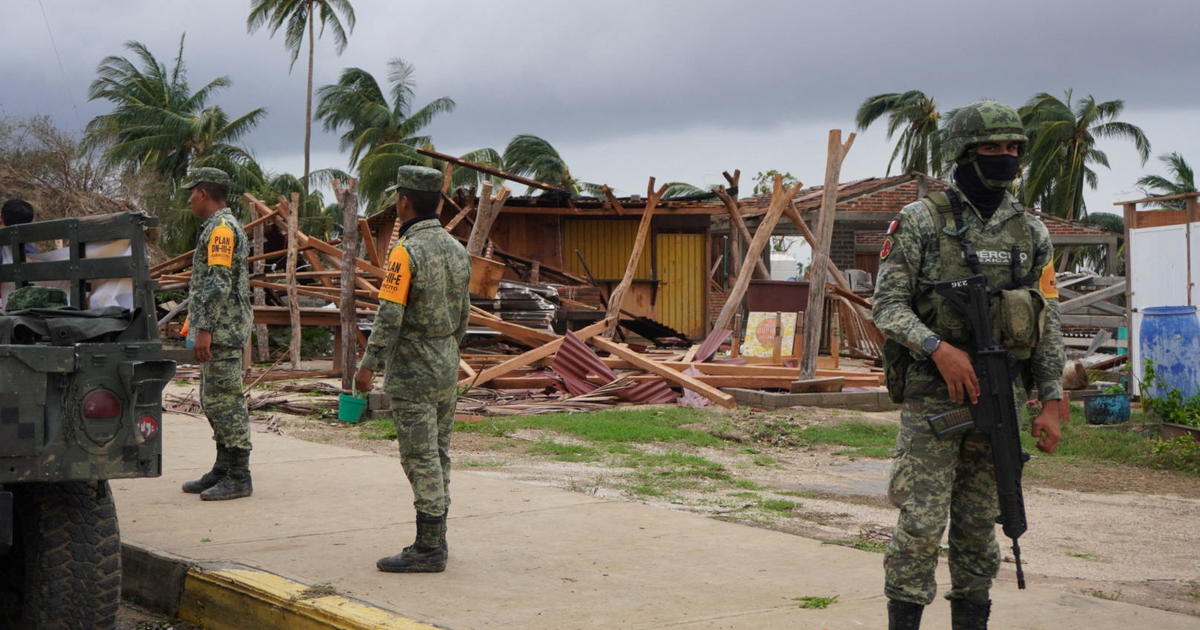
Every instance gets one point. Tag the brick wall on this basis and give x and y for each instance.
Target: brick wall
(716, 301)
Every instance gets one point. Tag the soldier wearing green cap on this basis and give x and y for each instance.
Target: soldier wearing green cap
(422, 317)
(218, 327)
(929, 372)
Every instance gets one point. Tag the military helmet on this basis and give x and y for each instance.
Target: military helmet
(205, 174)
(419, 178)
(985, 121)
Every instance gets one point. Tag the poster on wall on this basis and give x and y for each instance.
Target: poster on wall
(759, 340)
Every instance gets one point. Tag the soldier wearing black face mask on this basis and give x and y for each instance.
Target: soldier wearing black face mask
(930, 370)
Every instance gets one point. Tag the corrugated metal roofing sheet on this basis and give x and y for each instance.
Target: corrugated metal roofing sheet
(575, 361)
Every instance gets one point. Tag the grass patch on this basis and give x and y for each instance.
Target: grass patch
(378, 429)
(1083, 444)
(480, 463)
(778, 505)
(612, 425)
(565, 452)
(744, 495)
(315, 591)
(765, 460)
(1099, 594)
(746, 484)
(812, 601)
(1083, 555)
(865, 437)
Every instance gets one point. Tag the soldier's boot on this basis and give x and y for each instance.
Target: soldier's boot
(904, 615)
(441, 537)
(426, 555)
(236, 483)
(209, 479)
(969, 615)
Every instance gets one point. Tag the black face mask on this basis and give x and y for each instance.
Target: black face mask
(985, 179)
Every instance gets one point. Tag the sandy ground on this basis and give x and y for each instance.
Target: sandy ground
(1091, 537)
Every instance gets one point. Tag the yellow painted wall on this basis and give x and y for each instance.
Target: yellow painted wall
(606, 245)
(681, 282)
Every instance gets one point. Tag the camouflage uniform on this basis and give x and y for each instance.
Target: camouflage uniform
(933, 478)
(220, 304)
(422, 317)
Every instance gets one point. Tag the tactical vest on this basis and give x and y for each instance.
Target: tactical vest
(1004, 255)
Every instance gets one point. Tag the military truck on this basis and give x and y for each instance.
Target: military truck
(80, 404)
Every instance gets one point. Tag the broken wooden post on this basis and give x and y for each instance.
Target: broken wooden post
(293, 231)
(489, 208)
(260, 295)
(780, 197)
(820, 253)
(639, 246)
(347, 197)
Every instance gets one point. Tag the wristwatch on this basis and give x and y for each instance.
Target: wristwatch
(930, 344)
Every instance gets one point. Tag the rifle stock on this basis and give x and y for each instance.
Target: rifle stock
(996, 412)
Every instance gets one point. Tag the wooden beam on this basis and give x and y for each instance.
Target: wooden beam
(679, 378)
(347, 196)
(639, 245)
(814, 314)
(1093, 298)
(293, 235)
(527, 358)
(736, 220)
(364, 231)
(523, 334)
(489, 207)
(491, 171)
(779, 198)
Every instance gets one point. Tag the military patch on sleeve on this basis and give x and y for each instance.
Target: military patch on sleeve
(893, 226)
(220, 246)
(1047, 284)
(886, 249)
(398, 277)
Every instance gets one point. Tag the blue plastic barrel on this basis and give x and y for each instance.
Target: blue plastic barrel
(1170, 339)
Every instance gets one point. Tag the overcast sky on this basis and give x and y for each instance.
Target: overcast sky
(625, 89)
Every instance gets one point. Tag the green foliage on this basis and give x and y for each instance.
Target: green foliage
(378, 429)
(1168, 404)
(565, 452)
(914, 115)
(293, 17)
(1115, 388)
(381, 131)
(811, 601)
(764, 182)
(1182, 180)
(1085, 445)
(1062, 149)
(614, 425)
(1181, 453)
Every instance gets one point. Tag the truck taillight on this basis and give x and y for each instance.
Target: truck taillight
(147, 427)
(101, 404)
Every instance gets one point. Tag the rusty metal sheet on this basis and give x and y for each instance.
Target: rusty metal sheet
(575, 361)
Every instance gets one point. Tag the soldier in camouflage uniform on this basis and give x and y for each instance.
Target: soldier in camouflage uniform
(932, 478)
(218, 327)
(422, 317)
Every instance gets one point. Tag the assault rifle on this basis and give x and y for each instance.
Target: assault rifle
(995, 413)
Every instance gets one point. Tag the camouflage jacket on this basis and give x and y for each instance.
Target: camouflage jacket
(910, 259)
(220, 288)
(424, 306)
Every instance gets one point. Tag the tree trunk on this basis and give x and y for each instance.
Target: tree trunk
(348, 198)
(308, 105)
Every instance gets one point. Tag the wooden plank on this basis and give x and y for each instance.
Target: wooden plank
(1092, 298)
(526, 358)
(736, 220)
(348, 198)
(679, 378)
(827, 384)
(261, 335)
(364, 232)
(293, 234)
(523, 334)
(1101, 321)
(814, 314)
(639, 245)
(491, 171)
(779, 198)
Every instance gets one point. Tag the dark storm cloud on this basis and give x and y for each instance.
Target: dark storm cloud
(575, 71)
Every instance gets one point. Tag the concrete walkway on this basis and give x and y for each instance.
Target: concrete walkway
(530, 557)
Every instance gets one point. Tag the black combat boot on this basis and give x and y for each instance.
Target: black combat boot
(968, 615)
(210, 478)
(904, 615)
(236, 483)
(426, 555)
(441, 537)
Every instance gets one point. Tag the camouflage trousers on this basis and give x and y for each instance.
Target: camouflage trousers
(221, 396)
(932, 479)
(423, 430)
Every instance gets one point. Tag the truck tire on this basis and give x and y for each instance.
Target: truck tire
(64, 570)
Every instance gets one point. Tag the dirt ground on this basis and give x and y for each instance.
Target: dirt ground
(1122, 533)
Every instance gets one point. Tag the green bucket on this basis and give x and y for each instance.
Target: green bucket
(350, 408)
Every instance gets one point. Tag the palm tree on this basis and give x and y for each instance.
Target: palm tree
(299, 15)
(1183, 180)
(379, 134)
(915, 116)
(1062, 148)
(159, 124)
(1095, 257)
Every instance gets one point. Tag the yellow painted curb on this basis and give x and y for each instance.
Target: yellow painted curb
(235, 599)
